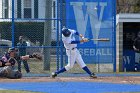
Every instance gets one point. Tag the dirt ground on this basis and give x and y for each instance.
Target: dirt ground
(122, 80)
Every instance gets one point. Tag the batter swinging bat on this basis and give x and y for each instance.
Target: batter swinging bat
(100, 39)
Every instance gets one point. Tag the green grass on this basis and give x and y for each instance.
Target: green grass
(36, 67)
(16, 91)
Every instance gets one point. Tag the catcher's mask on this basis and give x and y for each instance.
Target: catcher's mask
(66, 32)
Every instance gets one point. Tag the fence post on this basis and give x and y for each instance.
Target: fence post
(114, 35)
(47, 34)
(13, 23)
(57, 50)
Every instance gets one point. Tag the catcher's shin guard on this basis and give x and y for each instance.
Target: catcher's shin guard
(15, 75)
(4, 71)
(8, 72)
(54, 75)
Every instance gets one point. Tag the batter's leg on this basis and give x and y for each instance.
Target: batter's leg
(71, 60)
(80, 61)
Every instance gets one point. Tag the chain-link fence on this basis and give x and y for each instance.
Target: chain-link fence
(39, 22)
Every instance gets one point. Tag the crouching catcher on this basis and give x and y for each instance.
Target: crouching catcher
(7, 63)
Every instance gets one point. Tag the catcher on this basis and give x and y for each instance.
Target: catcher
(8, 61)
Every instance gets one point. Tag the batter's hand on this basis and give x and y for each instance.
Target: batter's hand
(82, 37)
(84, 40)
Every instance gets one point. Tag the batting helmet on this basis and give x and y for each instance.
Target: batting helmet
(66, 32)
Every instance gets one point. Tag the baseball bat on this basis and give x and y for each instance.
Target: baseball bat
(100, 39)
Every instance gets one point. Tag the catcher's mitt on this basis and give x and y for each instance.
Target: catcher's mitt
(37, 56)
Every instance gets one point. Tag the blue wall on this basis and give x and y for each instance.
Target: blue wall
(93, 19)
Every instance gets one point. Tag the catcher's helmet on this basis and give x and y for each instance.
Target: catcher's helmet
(66, 32)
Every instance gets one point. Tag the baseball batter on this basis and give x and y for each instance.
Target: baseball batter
(70, 43)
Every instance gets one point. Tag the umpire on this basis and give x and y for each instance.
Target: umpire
(22, 52)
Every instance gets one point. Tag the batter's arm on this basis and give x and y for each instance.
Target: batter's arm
(80, 41)
(80, 35)
(76, 33)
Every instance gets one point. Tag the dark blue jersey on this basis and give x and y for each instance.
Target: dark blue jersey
(22, 48)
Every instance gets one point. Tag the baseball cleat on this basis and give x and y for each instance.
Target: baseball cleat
(93, 75)
(54, 74)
